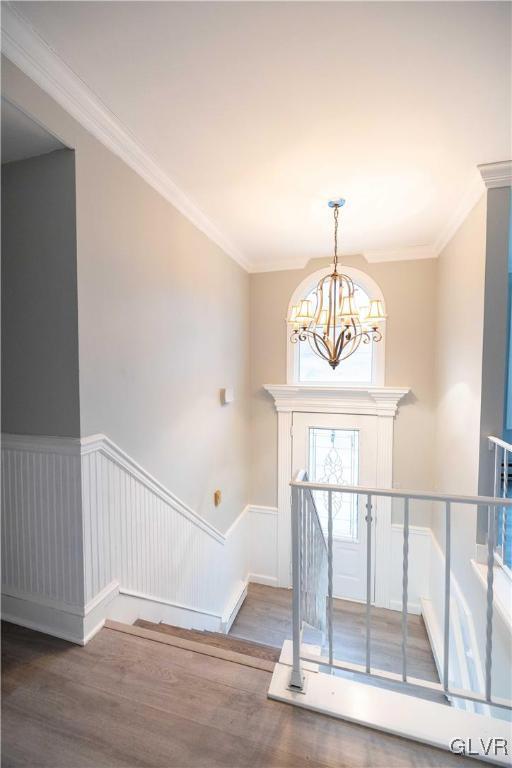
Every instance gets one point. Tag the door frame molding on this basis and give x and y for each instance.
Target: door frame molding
(381, 402)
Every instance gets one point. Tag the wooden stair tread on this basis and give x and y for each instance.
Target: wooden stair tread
(216, 639)
(187, 644)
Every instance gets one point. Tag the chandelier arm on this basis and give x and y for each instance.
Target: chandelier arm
(316, 339)
(340, 343)
(319, 301)
(352, 347)
(331, 318)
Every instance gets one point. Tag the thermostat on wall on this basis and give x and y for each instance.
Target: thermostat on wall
(227, 395)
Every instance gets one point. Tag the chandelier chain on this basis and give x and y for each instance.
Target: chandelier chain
(336, 214)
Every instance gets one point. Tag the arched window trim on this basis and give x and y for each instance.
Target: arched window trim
(373, 290)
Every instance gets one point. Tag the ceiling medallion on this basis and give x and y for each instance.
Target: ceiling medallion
(332, 322)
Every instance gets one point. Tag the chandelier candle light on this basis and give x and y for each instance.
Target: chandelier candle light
(332, 322)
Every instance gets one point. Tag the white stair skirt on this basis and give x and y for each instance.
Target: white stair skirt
(395, 713)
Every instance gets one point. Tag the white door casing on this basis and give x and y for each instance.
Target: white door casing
(349, 540)
(381, 402)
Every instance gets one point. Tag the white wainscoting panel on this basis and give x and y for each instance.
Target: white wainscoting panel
(89, 534)
(141, 535)
(262, 543)
(419, 566)
(41, 521)
(465, 666)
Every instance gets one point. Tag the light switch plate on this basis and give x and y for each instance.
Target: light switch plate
(227, 395)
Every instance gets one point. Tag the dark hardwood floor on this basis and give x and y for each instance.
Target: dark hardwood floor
(126, 701)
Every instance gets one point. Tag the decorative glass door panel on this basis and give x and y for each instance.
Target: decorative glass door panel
(334, 458)
(342, 450)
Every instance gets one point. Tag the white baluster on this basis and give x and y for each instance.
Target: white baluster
(490, 599)
(368, 579)
(405, 585)
(329, 567)
(447, 574)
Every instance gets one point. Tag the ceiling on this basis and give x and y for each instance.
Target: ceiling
(261, 112)
(22, 137)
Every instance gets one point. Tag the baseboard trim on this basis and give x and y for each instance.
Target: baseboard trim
(434, 634)
(129, 606)
(75, 625)
(259, 578)
(42, 600)
(396, 605)
(234, 606)
(256, 509)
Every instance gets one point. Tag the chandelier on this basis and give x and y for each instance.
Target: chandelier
(332, 322)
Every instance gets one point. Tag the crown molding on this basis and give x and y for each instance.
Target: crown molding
(474, 192)
(414, 253)
(280, 266)
(25, 48)
(496, 174)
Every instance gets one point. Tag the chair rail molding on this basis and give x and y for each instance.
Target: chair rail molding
(381, 402)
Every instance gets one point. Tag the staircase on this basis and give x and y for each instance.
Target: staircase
(216, 644)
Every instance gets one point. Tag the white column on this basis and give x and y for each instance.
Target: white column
(382, 508)
(284, 474)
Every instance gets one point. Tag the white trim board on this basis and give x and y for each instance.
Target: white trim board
(32, 612)
(311, 398)
(389, 711)
(496, 174)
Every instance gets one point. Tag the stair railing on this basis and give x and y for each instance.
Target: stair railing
(301, 493)
(309, 569)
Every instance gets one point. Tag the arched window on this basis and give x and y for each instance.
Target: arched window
(364, 367)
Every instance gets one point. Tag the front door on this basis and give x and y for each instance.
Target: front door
(340, 449)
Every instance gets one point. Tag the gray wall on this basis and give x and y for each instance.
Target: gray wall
(163, 319)
(495, 325)
(39, 297)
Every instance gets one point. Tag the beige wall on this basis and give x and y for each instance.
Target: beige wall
(163, 324)
(460, 306)
(459, 340)
(409, 292)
